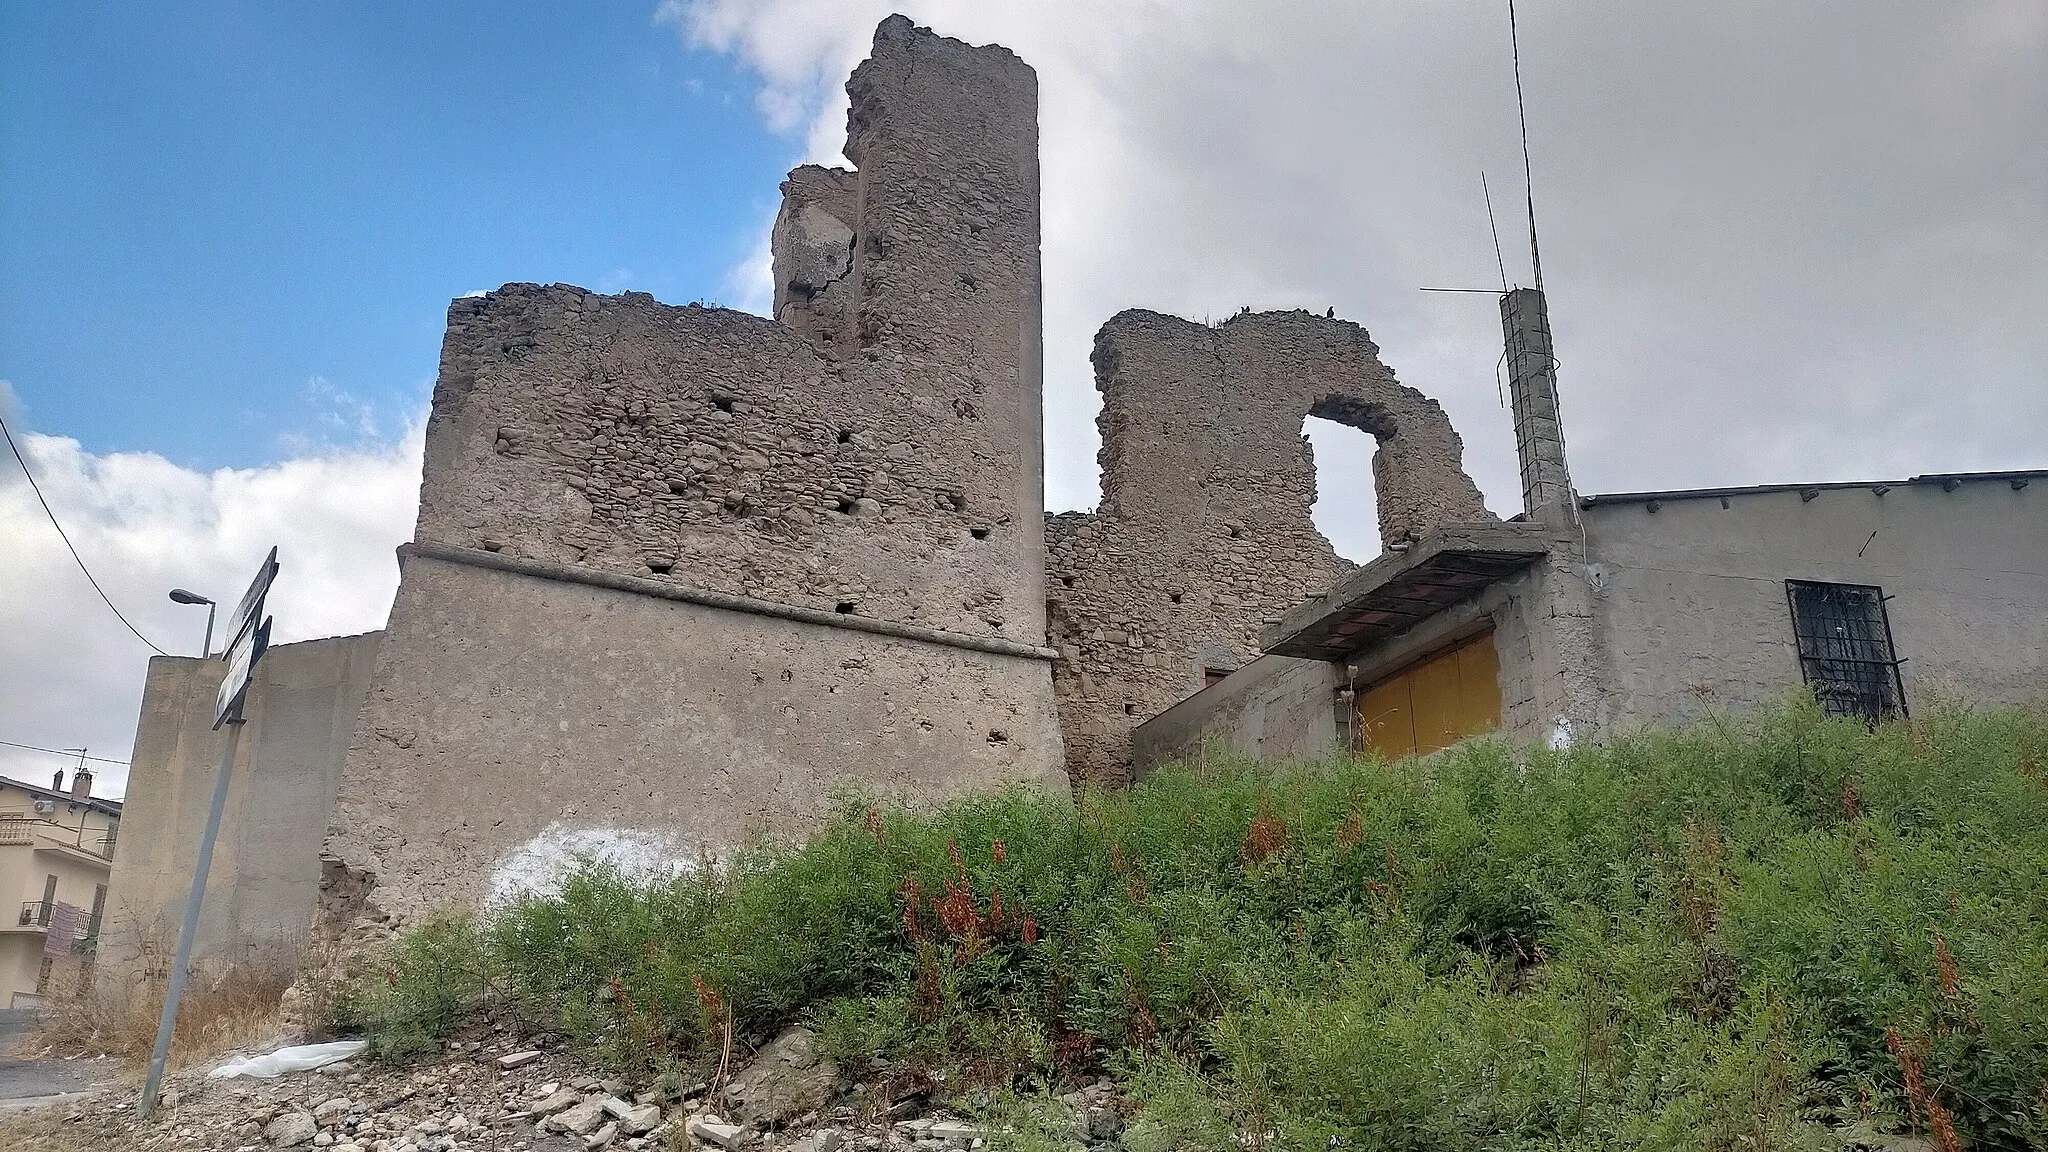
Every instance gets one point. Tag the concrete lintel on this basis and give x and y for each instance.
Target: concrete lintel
(665, 590)
(1477, 553)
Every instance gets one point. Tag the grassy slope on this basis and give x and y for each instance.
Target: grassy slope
(1736, 935)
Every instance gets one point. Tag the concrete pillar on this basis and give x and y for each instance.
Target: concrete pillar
(1547, 494)
(1565, 639)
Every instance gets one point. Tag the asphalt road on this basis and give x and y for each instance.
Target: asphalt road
(22, 1078)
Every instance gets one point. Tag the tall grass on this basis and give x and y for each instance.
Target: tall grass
(1734, 935)
(215, 1016)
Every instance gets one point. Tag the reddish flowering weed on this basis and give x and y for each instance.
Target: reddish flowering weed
(1266, 838)
(1352, 834)
(1945, 967)
(1920, 1099)
(959, 910)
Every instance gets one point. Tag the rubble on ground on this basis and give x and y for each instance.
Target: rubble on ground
(491, 1096)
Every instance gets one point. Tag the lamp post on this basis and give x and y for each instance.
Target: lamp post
(184, 597)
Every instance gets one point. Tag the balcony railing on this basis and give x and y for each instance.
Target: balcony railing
(70, 929)
(19, 830)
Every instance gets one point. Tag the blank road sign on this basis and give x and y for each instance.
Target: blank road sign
(248, 640)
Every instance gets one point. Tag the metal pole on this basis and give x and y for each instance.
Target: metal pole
(206, 649)
(167, 1023)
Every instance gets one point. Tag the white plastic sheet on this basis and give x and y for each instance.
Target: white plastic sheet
(298, 1058)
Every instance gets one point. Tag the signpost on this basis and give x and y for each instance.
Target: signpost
(250, 632)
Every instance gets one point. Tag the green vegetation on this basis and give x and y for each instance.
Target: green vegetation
(1736, 935)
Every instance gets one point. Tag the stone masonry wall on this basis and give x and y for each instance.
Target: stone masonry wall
(876, 452)
(1204, 532)
(604, 473)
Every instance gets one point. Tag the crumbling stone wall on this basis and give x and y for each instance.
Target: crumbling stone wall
(680, 572)
(876, 452)
(1204, 532)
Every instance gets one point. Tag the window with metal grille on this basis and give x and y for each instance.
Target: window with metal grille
(1845, 648)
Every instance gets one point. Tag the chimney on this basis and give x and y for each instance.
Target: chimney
(1547, 494)
(81, 784)
(57, 781)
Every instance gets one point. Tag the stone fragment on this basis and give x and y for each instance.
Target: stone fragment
(579, 1120)
(640, 1119)
(711, 1130)
(786, 1079)
(822, 1140)
(602, 1137)
(331, 1110)
(512, 1060)
(556, 1101)
(955, 1133)
(1104, 1123)
(291, 1129)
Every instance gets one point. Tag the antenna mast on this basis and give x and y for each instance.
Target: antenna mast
(1528, 181)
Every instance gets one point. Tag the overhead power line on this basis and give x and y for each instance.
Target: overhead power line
(66, 537)
(67, 753)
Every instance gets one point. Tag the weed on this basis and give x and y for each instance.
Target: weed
(1729, 936)
(238, 1008)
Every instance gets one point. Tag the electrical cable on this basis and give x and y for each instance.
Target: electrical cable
(71, 753)
(66, 537)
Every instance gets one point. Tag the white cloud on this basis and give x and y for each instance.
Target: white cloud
(1782, 241)
(73, 675)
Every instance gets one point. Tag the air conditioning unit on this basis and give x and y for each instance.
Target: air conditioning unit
(45, 807)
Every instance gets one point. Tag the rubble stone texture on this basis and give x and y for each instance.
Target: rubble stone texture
(1204, 532)
(878, 447)
(874, 452)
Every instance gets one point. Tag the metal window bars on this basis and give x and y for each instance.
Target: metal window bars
(1845, 649)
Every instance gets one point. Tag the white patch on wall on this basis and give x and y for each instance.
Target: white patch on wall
(537, 867)
(1561, 734)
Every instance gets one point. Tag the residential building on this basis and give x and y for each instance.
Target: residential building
(56, 849)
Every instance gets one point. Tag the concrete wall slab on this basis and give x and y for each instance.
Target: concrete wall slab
(266, 866)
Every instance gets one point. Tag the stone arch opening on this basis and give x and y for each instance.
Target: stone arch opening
(1346, 509)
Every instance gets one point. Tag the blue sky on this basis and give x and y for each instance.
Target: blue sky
(228, 231)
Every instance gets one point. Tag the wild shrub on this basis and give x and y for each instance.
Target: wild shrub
(1739, 934)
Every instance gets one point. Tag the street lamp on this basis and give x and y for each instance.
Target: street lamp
(184, 597)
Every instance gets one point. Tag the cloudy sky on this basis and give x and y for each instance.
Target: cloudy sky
(1783, 241)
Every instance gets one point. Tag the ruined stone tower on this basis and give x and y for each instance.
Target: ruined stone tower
(1204, 534)
(681, 572)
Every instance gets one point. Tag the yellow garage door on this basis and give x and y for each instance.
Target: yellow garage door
(1434, 702)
